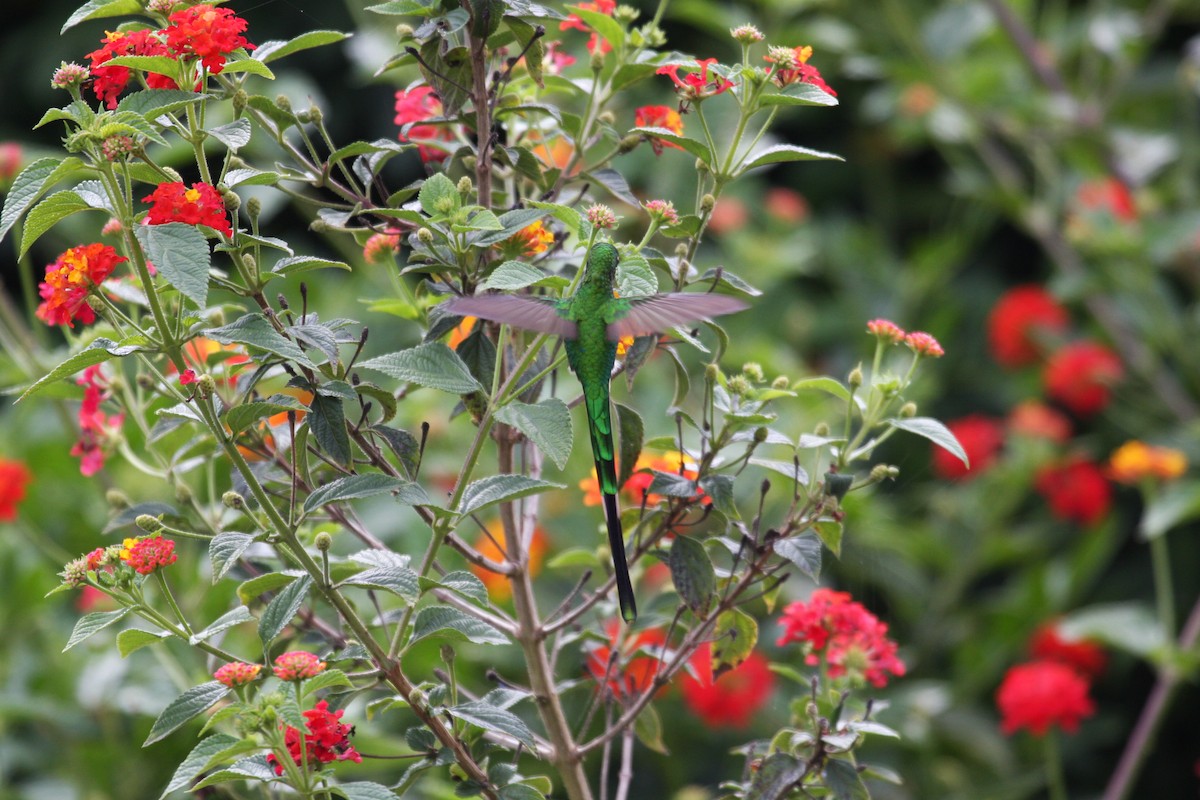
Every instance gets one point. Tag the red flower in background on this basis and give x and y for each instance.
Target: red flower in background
(1040, 694)
(208, 33)
(70, 279)
(786, 205)
(574, 22)
(980, 436)
(1039, 421)
(327, 740)
(14, 477)
(95, 427)
(1084, 656)
(414, 106)
(1080, 376)
(1076, 490)
(108, 82)
(728, 215)
(842, 633)
(734, 697)
(199, 205)
(1016, 320)
(631, 670)
(1107, 195)
(659, 117)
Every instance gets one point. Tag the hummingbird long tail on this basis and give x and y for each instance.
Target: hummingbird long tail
(616, 543)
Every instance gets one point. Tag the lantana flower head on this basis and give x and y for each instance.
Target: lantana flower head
(70, 279)
(981, 437)
(109, 81)
(791, 66)
(1017, 320)
(206, 33)
(531, 240)
(297, 665)
(1042, 694)
(732, 698)
(662, 211)
(149, 553)
(14, 478)
(601, 216)
(1076, 490)
(1081, 375)
(1136, 461)
(886, 331)
(70, 74)
(696, 85)
(1083, 655)
(380, 246)
(659, 117)
(237, 673)
(923, 344)
(327, 740)
(97, 430)
(200, 205)
(746, 34)
(413, 107)
(842, 634)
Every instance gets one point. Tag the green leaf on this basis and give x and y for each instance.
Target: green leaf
(494, 719)
(694, 146)
(1175, 504)
(439, 196)
(776, 777)
(547, 424)
(616, 184)
(608, 28)
(433, 364)
(632, 431)
(513, 275)
(183, 708)
(97, 352)
(671, 484)
(692, 573)
(798, 94)
(197, 761)
(45, 214)
(31, 183)
(160, 65)
(153, 103)
(327, 421)
(91, 623)
(648, 727)
(282, 608)
(234, 135)
(248, 590)
(520, 791)
(782, 153)
(405, 7)
(253, 330)
(459, 582)
(248, 176)
(295, 265)
(720, 489)
(274, 49)
(935, 432)
(830, 533)
(789, 469)
(400, 581)
(324, 680)
(500, 489)
(446, 69)
(239, 418)
(235, 616)
(354, 487)
(734, 638)
(1132, 627)
(842, 778)
(828, 385)
(449, 621)
(180, 253)
(250, 66)
(564, 214)
(224, 551)
(134, 639)
(804, 551)
(98, 9)
(364, 790)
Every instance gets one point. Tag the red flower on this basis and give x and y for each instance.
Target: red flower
(70, 278)
(849, 639)
(14, 477)
(1040, 694)
(886, 330)
(199, 205)
(1039, 421)
(634, 661)
(10, 162)
(728, 215)
(187, 377)
(297, 665)
(95, 427)
(151, 553)
(1017, 319)
(734, 697)
(786, 205)
(1084, 656)
(328, 740)
(800, 71)
(1080, 376)
(696, 86)
(415, 106)
(95, 559)
(980, 436)
(659, 117)
(380, 247)
(574, 22)
(237, 673)
(1076, 490)
(206, 33)
(1107, 195)
(923, 344)
(108, 82)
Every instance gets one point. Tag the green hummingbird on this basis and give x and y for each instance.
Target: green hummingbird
(591, 322)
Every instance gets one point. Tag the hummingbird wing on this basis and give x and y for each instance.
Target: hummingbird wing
(638, 316)
(531, 313)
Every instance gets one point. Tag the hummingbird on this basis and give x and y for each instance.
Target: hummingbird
(591, 323)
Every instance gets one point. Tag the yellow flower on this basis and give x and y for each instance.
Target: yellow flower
(532, 239)
(1135, 461)
(126, 546)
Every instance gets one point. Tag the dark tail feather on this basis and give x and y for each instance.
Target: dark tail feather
(616, 543)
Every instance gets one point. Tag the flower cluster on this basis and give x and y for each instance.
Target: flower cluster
(148, 553)
(627, 667)
(574, 22)
(380, 247)
(696, 85)
(791, 66)
(1081, 375)
(659, 117)
(1075, 489)
(199, 205)
(237, 673)
(327, 740)
(97, 429)
(1084, 656)
(414, 107)
(981, 437)
(70, 279)
(636, 489)
(530, 240)
(110, 81)
(732, 698)
(297, 665)
(14, 477)
(1021, 321)
(1040, 694)
(1136, 461)
(843, 635)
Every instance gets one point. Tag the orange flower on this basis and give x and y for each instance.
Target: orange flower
(1039, 421)
(554, 153)
(462, 332)
(70, 279)
(212, 357)
(659, 117)
(1135, 461)
(489, 545)
(642, 477)
(531, 240)
(634, 661)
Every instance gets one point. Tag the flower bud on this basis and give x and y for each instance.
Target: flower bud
(746, 34)
(216, 317)
(303, 117)
(821, 429)
(70, 76)
(144, 381)
(323, 541)
(855, 378)
(711, 372)
(232, 499)
(753, 371)
(908, 410)
(403, 31)
(465, 187)
(231, 200)
(607, 118)
(241, 99)
(881, 472)
(739, 385)
(283, 103)
(249, 263)
(629, 143)
(148, 523)
(425, 236)
(316, 115)
(253, 207)
(626, 14)
(760, 434)
(707, 203)
(183, 494)
(780, 383)
(207, 385)
(597, 62)
(116, 499)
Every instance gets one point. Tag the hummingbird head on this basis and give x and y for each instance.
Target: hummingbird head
(602, 264)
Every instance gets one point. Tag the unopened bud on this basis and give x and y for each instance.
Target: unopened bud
(739, 385)
(708, 203)
(283, 104)
(711, 372)
(753, 371)
(908, 410)
(465, 187)
(597, 62)
(207, 385)
(232, 499)
(323, 541)
(116, 499)
(607, 117)
(855, 378)
(148, 523)
(240, 101)
(316, 115)
(403, 31)
(626, 14)
(253, 207)
(628, 143)
(216, 317)
(425, 236)
(821, 429)
(880, 472)
(249, 263)
(145, 381)
(760, 434)
(303, 117)
(780, 383)
(183, 494)
(231, 200)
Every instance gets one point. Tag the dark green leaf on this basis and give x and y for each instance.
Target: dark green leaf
(250, 66)
(449, 621)
(547, 424)
(842, 778)
(433, 364)
(29, 185)
(353, 487)
(616, 184)
(513, 275)
(720, 489)
(180, 253)
(324, 680)
(248, 590)
(494, 719)
(733, 639)
(275, 49)
(632, 432)
(781, 153)
(694, 146)
(98, 9)
(798, 94)
(255, 331)
(153, 103)
(183, 708)
(478, 352)
(295, 265)
(499, 489)
(224, 551)
(239, 418)
(459, 582)
(364, 790)
(404, 445)
(448, 71)
(636, 355)
(197, 761)
(671, 484)
(692, 573)
(804, 551)
(282, 608)
(401, 582)
(648, 728)
(89, 624)
(97, 352)
(45, 214)
(776, 777)
(327, 421)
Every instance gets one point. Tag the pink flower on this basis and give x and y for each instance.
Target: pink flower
(696, 85)
(923, 344)
(237, 673)
(151, 553)
(886, 330)
(297, 665)
(413, 108)
(849, 639)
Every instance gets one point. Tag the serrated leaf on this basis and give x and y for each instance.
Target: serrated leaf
(432, 364)
(720, 489)
(616, 184)
(274, 49)
(235, 616)
(694, 146)
(789, 469)
(608, 28)
(45, 214)
(400, 581)
(282, 608)
(692, 573)
(224, 551)
(513, 275)
(160, 65)
(324, 680)
(547, 424)
(234, 135)
(823, 384)
(520, 791)
(134, 639)
(632, 433)
(184, 707)
(353, 487)
(804, 551)
(439, 196)
(499, 489)
(635, 278)
(830, 533)
(935, 432)
(459, 582)
(671, 484)
(89, 624)
(364, 790)
(798, 94)
(241, 417)
(775, 777)
(97, 9)
(249, 66)
(153, 103)
(782, 153)
(295, 265)
(842, 778)
(253, 330)
(180, 254)
(327, 421)
(496, 720)
(29, 185)
(449, 621)
(734, 638)
(197, 761)
(248, 590)
(248, 176)
(97, 352)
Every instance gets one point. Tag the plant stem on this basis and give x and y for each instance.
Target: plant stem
(1055, 783)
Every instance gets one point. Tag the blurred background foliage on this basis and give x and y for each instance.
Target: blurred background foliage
(975, 136)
